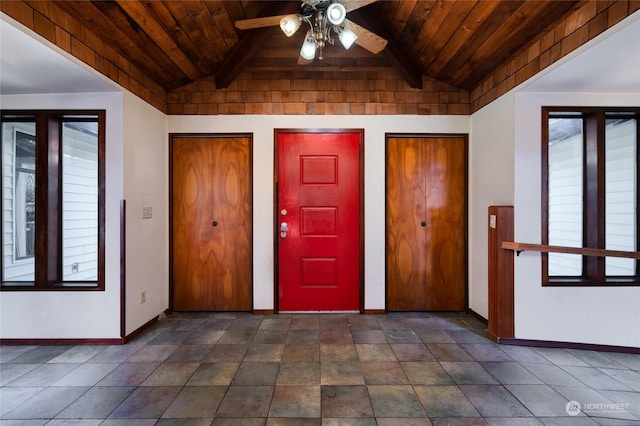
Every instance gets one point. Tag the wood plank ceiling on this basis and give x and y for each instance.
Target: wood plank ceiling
(459, 42)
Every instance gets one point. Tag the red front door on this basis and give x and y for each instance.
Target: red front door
(318, 221)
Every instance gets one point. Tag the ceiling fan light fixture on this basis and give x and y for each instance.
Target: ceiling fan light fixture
(290, 24)
(347, 37)
(336, 13)
(308, 50)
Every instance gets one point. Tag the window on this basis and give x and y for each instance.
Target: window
(590, 194)
(52, 200)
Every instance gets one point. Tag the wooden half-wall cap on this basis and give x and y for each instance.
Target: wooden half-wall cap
(520, 247)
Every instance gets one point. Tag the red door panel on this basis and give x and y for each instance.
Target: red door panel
(319, 221)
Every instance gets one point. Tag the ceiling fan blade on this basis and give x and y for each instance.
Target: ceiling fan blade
(366, 39)
(357, 4)
(267, 21)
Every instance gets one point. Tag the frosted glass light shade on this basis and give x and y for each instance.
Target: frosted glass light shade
(347, 37)
(336, 12)
(290, 24)
(308, 50)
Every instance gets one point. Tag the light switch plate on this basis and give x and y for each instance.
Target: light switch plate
(492, 221)
(147, 212)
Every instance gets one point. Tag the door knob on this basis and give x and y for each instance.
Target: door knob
(284, 228)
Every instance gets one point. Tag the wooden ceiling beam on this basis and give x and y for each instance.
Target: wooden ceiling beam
(250, 43)
(148, 23)
(397, 57)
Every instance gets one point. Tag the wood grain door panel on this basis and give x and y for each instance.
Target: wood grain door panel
(211, 224)
(426, 224)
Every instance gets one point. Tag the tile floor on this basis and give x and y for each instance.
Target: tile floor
(304, 369)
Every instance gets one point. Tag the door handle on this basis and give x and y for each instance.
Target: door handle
(284, 229)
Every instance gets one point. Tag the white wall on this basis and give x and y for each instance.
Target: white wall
(146, 180)
(75, 314)
(262, 127)
(491, 179)
(599, 315)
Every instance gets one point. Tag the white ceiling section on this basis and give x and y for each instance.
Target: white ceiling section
(27, 66)
(610, 63)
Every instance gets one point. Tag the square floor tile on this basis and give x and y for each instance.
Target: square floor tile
(40, 354)
(336, 337)
(338, 353)
(383, 373)
(10, 372)
(494, 401)
(486, 352)
(246, 401)
(86, 374)
(77, 354)
(97, 403)
(171, 374)
(270, 337)
(256, 373)
(541, 400)
(129, 374)
(595, 378)
(236, 337)
(196, 402)
(214, 374)
(226, 353)
(395, 401)
(553, 375)
(426, 373)
(375, 352)
(301, 353)
(189, 353)
(299, 373)
(346, 401)
(445, 401)
(468, 373)
(369, 336)
(412, 352)
(153, 353)
(451, 352)
(46, 404)
(296, 401)
(402, 336)
(44, 375)
(264, 353)
(14, 396)
(341, 373)
(146, 403)
(511, 373)
(299, 337)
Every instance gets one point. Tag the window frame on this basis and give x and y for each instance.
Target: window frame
(48, 214)
(594, 124)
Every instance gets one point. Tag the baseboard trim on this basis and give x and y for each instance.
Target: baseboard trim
(374, 312)
(60, 342)
(567, 345)
(263, 312)
(478, 316)
(138, 331)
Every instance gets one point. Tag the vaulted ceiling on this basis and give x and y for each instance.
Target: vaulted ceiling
(459, 42)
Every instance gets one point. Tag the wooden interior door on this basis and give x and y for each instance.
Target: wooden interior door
(319, 201)
(426, 223)
(211, 223)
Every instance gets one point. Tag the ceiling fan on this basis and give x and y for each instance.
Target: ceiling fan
(325, 18)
